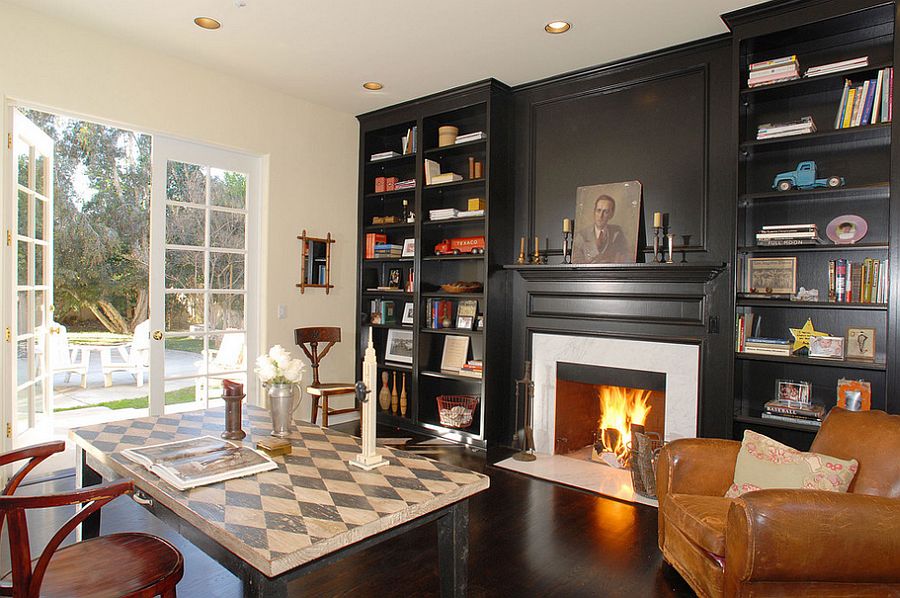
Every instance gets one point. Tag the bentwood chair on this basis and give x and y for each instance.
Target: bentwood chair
(125, 564)
(309, 339)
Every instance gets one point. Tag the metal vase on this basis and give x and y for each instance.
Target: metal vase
(281, 406)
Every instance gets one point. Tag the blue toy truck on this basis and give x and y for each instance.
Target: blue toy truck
(804, 177)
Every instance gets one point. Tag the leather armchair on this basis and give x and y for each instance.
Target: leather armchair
(786, 542)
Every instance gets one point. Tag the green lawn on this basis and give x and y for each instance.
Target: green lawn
(181, 395)
(193, 345)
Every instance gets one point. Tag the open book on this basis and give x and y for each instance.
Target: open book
(199, 461)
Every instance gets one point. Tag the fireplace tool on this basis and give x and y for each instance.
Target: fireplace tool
(527, 386)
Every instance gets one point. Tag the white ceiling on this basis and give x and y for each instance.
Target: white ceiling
(324, 51)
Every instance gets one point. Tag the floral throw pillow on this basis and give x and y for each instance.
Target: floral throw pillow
(764, 463)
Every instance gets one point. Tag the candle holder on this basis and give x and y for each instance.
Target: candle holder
(671, 238)
(521, 259)
(659, 252)
(233, 417)
(567, 247)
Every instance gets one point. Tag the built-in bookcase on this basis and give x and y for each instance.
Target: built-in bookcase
(480, 107)
(864, 156)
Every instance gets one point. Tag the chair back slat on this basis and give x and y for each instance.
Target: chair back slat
(309, 339)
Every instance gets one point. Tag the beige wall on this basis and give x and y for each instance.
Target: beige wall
(310, 151)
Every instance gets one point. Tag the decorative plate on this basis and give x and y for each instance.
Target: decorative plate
(462, 287)
(846, 229)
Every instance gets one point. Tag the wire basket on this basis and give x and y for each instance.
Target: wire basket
(644, 449)
(456, 411)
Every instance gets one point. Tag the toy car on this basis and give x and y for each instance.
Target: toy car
(804, 177)
(460, 245)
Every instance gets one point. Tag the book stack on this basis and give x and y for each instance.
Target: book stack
(474, 368)
(440, 313)
(767, 346)
(445, 177)
(383, 156)
(860, 282)
(787, 234)
(383, 250)
(443, 214)
(381, 312)
(475, 136)
(373, 239)
(789, 129)
(794, 411)
(866, 103)
(743, 328)
(836, 67)
(407, 184)
(772, 71)
(470, 213)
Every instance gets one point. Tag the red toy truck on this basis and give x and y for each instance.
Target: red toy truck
(460, 245)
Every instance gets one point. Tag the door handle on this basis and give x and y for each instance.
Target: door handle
(157, 335)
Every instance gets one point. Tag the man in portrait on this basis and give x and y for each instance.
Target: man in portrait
(597, 239)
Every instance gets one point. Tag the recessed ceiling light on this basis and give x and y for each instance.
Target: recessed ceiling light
(372, 85)
(557, 27)
(207, 23)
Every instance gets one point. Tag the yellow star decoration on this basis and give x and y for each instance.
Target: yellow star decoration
(801, 335)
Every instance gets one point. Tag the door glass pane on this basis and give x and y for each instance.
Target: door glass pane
(185, 312)
(40, 180)
(184, 269)
(39, 206)
(185, 226)
(226, 230)
(226, 353)
(186, 182)
(39, 264)
(22, 312)
(226, 310)
(22, 214)
(22, 159)
(227, 189)
(22, 263)
(226, 270)
(22, 361)
(23, 401)
(39, 395)
(39, 308)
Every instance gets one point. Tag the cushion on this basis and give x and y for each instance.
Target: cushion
(765, 463)
(700, 518)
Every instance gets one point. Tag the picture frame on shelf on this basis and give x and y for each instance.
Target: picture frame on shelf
(408, 313)
(861, 344)
(465, 314)
(409, 248)
(399, 346)
(394, 276)
(455, 353)
(796, 391)
(854, 395)
(826, 347)
(772, 275)
(606, 223)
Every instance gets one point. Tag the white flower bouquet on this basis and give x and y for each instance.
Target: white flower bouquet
(277, 367)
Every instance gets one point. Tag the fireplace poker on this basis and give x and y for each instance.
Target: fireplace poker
(527, 452)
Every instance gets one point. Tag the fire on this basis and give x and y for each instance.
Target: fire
(620, 408)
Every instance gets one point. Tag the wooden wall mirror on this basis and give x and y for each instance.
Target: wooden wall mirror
(315, 265)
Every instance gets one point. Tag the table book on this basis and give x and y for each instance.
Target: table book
(199, 461)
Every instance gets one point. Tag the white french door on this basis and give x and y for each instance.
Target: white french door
(28, 281)
(203, 272)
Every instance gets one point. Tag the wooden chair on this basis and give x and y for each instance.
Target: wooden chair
(126, 564)
(312, 336)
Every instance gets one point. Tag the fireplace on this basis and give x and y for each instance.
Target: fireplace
(597, 406)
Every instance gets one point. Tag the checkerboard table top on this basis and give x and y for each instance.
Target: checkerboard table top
(315, 502)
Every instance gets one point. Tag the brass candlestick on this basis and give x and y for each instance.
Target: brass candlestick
(671, 238)
(521, 259)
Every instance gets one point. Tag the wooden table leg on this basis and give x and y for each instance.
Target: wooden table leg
(453, 550)
(85, 476)
(257, 585)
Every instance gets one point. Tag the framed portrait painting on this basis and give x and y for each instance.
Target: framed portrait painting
(606, 223)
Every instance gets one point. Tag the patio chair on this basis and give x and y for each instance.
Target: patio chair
(63, 357)
(135, 356)
(229, 357)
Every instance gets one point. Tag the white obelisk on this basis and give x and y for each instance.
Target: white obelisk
(369, 459)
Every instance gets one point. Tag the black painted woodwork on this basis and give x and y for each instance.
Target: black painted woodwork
(819, 33)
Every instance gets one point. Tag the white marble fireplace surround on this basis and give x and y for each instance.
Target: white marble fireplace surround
(679, 362)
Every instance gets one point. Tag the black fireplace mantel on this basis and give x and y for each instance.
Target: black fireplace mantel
(700, 272)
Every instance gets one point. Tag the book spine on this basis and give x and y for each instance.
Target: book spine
(876, 107)
(848, 111)
(890, 106)
(870, 99)
(784, 60)
(840, 280)
(842, 105)
(858, 103)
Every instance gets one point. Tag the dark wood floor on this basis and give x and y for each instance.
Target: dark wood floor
(528, 537)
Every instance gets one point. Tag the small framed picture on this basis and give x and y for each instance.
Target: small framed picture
(409, 248)
(394, 275)
(772, 275)
(854, 395)
(479, 323)
(465, 322)
(793, 390)
(407, 313)
(826, 347)
(399, 346)
(861, 343)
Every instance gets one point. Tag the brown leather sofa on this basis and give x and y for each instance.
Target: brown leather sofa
(786, 542)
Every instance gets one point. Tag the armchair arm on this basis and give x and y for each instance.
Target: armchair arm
(35, 453)
(813, 536)
(696, 466)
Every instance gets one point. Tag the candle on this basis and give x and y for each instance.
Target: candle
(657, 220)
(567, 225)
(537, 246)
(231, 388)
(671, 246)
